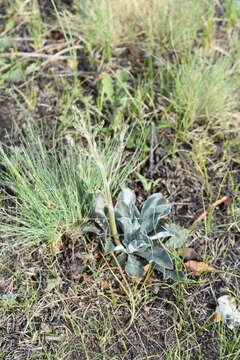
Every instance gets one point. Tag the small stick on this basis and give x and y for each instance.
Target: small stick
(57, 56)
(75, 47)
(224, 199)
(33, 55)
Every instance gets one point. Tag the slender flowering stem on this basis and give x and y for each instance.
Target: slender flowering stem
(106, 183)
(108, 198)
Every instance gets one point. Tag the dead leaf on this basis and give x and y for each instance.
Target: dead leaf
(227, 311)
(146, 267)
(104, 284)
(88, 278)
(188, 253)
(217, 317)
(198, 267)
(228, 201)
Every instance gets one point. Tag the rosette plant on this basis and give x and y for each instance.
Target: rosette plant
(144, 236)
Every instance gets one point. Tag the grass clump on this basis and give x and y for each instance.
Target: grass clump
(205, 92)
(153, 25)
(50, 191)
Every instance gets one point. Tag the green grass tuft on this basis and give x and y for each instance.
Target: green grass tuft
(205, 93)
(50, 191)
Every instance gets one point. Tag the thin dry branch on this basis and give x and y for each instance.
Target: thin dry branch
(50, 58)
(224, 199)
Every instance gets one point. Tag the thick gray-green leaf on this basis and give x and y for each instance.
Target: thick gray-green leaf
(110, 247)
(134, 266)
(126, 195)
(149, 223)
(125, 205)
(178, 236)
(123, 210)
(135, 224)
(99, 208)
(135, 214)
(136, 246)
(122, 258)
(171, 274)
(130, 212)
(155, 201)
(93, 229)
(159, 232)
(129, 237)
(124, 225)
(158, 255)
(154, 208)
